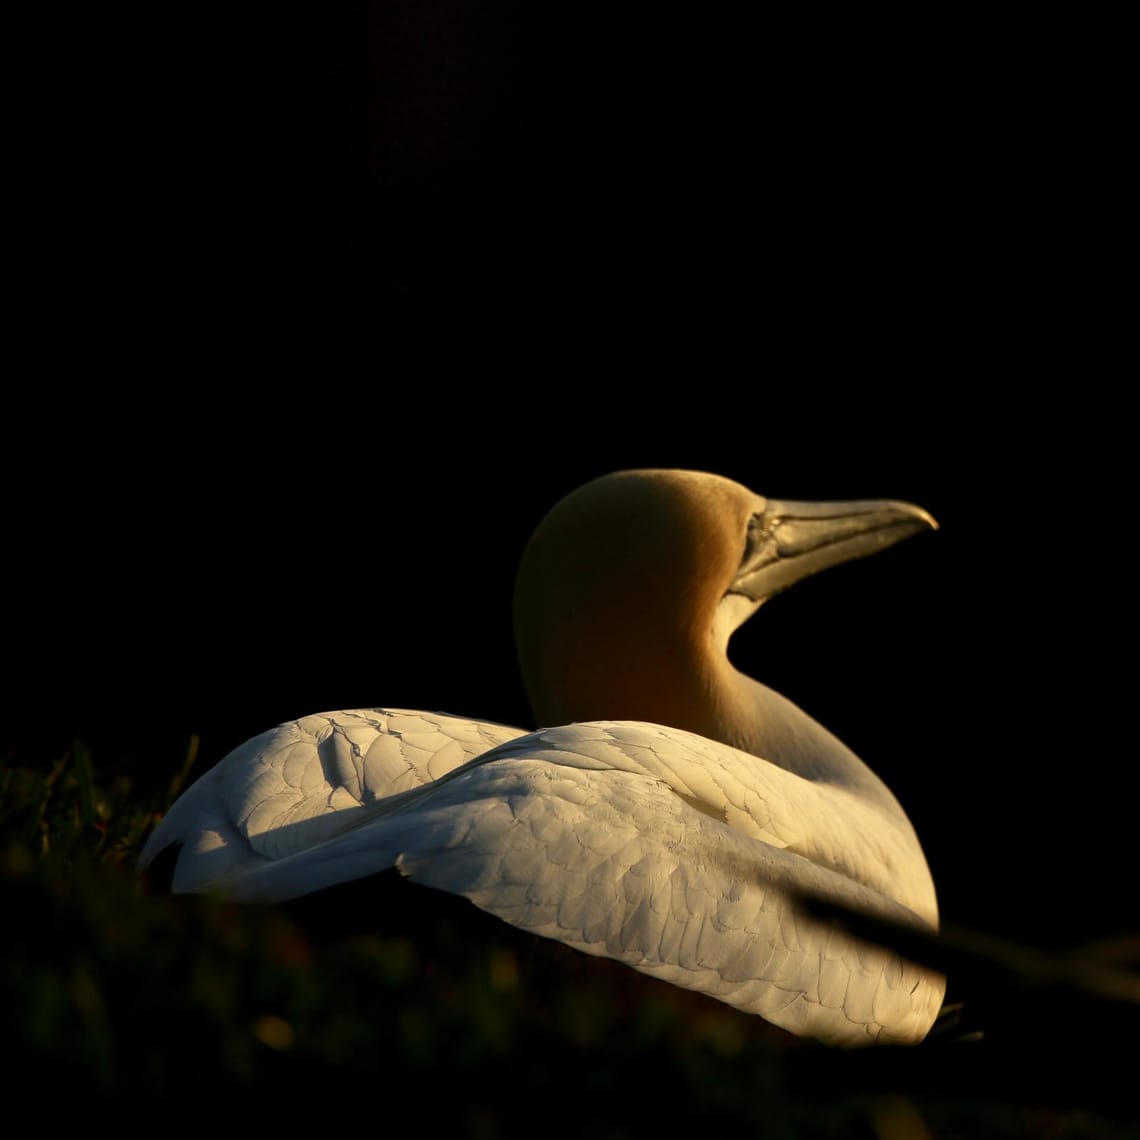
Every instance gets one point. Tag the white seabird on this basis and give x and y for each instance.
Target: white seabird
(669, 808)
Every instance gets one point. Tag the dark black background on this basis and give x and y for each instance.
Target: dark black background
(328, 308)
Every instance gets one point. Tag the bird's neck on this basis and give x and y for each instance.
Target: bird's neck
(759, 720)
(695, 687)
(639, 678)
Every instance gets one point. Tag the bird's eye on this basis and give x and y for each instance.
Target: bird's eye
(754, 539)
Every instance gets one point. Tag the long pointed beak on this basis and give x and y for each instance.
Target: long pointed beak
(789, 540)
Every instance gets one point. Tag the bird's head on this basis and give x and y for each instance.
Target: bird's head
(638, 567)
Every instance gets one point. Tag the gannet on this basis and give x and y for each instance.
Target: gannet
(668, 812)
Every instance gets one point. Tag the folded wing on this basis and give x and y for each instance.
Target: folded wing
(649, 845)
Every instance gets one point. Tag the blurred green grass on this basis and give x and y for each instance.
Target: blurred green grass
(120, 997)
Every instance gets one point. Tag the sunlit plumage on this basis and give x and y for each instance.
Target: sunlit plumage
(666, 814)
